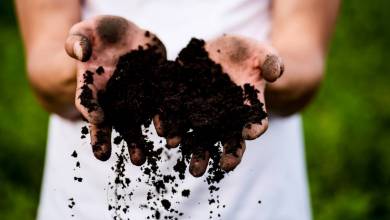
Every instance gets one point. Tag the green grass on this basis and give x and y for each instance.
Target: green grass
(23, 128)
(347, 128)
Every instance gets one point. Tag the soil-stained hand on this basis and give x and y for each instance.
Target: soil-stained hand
(97, 45)
(246, 61)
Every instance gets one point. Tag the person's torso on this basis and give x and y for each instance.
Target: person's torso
(175, 22)
(272, 170)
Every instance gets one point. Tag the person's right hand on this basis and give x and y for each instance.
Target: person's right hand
(97, 45)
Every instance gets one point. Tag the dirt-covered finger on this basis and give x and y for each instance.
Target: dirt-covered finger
(257, 122)
(101, 141)
(86, 97)
(252, 131)
(272, 67)
(173, 135)
(78, 44)
(135, 144)
(78, 47)
(158, 125)
(199, 161)
(233, 150)
(137, 153)
(173, 142)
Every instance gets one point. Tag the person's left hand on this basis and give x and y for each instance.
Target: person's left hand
(246, 61)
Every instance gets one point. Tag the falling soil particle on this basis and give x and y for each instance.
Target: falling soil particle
(166, 204)
(185, 193)
(78, 179)
(84, 130)
(74, 154)
(72, 203)
(128, 90)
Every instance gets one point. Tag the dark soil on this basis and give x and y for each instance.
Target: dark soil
(195, 100)
(193, 96)
(71, 203)
(74, 154)
(200, 103)
(185, 193)
(128, 100)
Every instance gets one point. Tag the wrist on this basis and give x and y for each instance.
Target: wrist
(54, 83)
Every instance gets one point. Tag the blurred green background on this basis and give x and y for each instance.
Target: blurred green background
(347, 128)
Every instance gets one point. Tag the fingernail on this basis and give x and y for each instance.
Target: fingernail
(78, 51)
(81, 49)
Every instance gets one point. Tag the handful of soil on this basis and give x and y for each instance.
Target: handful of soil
(194, 98)
(128, 101)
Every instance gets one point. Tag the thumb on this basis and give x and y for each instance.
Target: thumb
(79, 47)
(272, 67)
(78, 43)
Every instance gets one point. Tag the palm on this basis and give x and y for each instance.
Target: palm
(246, 61)
(98, 43)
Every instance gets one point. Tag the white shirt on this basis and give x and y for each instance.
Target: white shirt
(272, 169)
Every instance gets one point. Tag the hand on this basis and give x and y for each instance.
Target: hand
(97, 44)
(246, 61)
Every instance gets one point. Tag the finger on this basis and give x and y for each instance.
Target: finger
(272, 67)
(78, 43)
(86, 97)
(199, 162)
(137, 154)
(158, 125)
(101, 141)
(135, 144)
(233, 151)
(79, 47)
(173, 142)
(252, 131)
(173, 132)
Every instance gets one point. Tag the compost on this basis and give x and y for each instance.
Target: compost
(195, 100)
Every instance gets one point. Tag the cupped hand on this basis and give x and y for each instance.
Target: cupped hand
(97, 45)
(246, 61)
